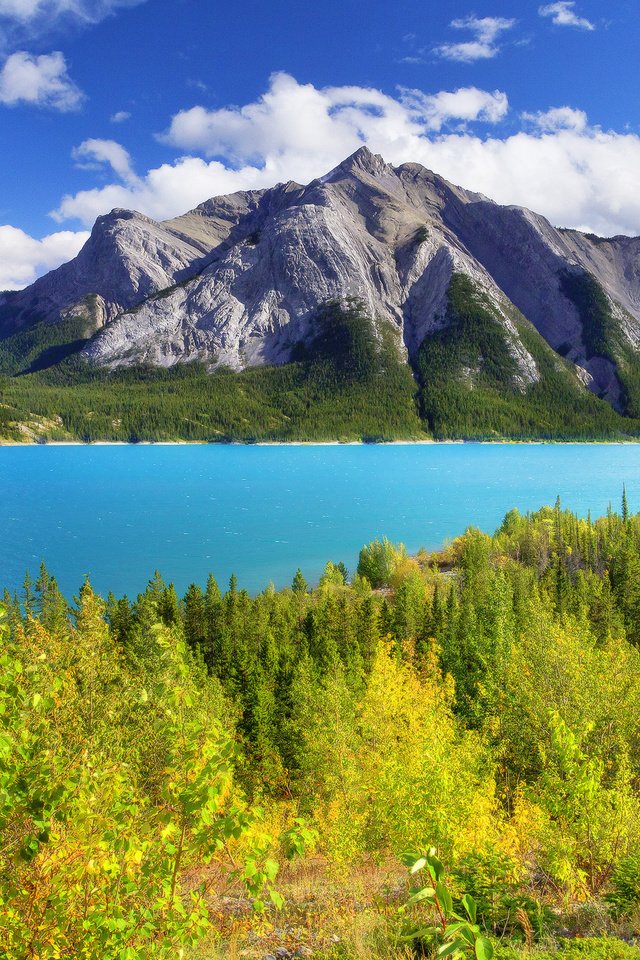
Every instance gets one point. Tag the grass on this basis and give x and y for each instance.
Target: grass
(331, 915)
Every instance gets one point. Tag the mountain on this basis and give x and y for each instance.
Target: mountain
(500, 317)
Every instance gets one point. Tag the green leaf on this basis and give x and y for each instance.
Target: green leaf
(444, 898)
(435, 866)
(466, 933)
(453, 928)
(276, 899)
(484, 950)
(427, 893)
(469, 905)
(447, 949)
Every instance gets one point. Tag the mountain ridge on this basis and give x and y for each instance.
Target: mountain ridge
(240, 281)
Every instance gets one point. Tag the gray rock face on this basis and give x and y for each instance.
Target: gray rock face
(127, 258)
(239, 280)
(365, 231)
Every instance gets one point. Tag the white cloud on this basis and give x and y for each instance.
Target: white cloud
(466, 104)
(166, 191)
(346, 114)
(18, 9)
(85, 11)
(92, 154)
(558, 118)
(486, 31)
(22, 258)
(23, 22)
(564, 15)
(295, 131)
(574, 174)
(120, 117)
(40, 81)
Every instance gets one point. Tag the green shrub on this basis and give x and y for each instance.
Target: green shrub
(489, 877)
(454, 931)
(377, 561)
(625, 883)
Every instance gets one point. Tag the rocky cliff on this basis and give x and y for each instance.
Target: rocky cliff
(239, 281)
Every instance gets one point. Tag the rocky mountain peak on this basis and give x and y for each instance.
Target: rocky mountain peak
(239, 280)
(120, 213)
(362, 162)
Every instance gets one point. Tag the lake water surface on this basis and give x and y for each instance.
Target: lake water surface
(119, 512)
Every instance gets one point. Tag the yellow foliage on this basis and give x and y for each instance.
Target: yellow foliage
(414, 777)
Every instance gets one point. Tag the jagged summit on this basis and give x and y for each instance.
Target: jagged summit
(240, 279)
(362, 161)
(120, 213)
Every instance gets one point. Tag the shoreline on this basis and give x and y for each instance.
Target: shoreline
(315, 443)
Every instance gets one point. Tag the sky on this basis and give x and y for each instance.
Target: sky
(157, 105)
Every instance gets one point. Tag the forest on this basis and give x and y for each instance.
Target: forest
(349, 382)
(429, 756)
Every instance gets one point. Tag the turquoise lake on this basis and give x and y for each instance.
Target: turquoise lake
(117, 513)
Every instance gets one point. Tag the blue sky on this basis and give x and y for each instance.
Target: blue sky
(159, 104)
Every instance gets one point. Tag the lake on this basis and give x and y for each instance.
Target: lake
(117, 513)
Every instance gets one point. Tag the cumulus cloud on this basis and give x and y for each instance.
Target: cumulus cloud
(483, 46)
(120, 116)
(558, 118)
(466, 104)
(295, 131)
(44, 80)
(575, 174)
(563, 15)
(22, 258)
(168, 190)
(93, 154)
(40, 81)
(350, 115)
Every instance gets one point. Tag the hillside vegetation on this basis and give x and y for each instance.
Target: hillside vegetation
(228, 774)
(470, 387)
(349, 383)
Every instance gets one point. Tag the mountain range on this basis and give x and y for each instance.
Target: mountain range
(494, 315)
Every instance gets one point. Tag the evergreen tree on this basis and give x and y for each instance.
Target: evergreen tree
(299, 584)
(195, 617)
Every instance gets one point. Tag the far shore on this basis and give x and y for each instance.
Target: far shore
(312, 443)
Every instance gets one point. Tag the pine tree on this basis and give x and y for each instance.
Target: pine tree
(28, 597)
(195, 619)
(299, 584)
(625, 505)
(367, 631)
(169, 606)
